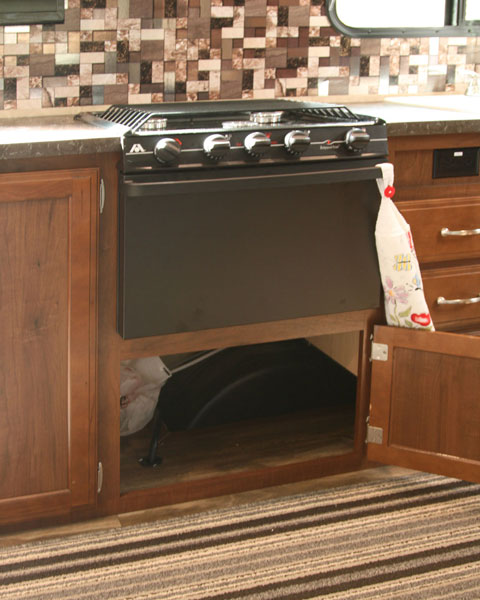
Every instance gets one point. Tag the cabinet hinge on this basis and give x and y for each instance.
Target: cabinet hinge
(99, 477)
(374, 435)
(379, 351)
(102, 195)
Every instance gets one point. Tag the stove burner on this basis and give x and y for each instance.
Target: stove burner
(237, 124)
(154, 124)
(266, 118)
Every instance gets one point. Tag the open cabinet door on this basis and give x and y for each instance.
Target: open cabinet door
(425, 401)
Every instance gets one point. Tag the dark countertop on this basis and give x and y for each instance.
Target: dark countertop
(42, 136)
(54, 136)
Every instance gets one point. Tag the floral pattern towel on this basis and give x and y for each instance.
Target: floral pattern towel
(405, 304)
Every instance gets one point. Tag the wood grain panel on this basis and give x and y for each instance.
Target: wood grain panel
(236, 447)
(82, 349)
(434, 403)
(238, 482)
(425, 399)
(248, 334)
(48, 257)
(34, 351)
(412, 157)
(427, 142)
(35, 506)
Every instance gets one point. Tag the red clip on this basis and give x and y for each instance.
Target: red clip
(389, 191)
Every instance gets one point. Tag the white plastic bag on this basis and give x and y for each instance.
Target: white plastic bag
(140, 383)
(405, 304)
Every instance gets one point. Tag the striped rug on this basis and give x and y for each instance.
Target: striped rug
(414, 537)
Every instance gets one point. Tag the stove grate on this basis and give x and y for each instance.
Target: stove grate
(330, 114)
(132, 118)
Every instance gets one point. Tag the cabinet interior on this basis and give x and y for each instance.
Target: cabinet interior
(295, 434)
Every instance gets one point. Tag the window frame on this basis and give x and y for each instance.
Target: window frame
(28, 13)
(454, 12)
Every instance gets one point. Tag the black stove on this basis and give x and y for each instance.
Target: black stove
(238, 212)
(230, 133)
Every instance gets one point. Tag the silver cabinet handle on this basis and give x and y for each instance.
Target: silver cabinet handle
(442, 300)
(445, 232)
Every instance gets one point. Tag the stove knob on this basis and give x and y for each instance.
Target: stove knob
(167, 151)
(296, 142)
(216, 146)
(257, 144)
(356, 139)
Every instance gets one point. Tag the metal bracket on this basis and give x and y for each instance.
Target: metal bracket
(379, 352)
(374, 435)
(99, 477)
(102, 195)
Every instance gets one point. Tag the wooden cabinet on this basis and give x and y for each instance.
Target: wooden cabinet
(421, 398)
(420, 401)
(48, 280)
(444, 215)
(424, 403)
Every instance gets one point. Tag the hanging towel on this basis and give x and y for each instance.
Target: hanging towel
(405, 304)
(140, 382)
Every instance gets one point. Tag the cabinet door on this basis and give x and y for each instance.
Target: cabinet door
(425, 402)
(48, 340)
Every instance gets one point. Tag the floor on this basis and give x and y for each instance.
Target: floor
(239, 446)
(167, 512)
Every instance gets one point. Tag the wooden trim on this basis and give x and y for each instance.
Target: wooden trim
(429, 462)
(242, 481)
(51, 183)
(363, 387)
(33, 507)
(82, 339)
(108, 344)
(427, 142)
(456, 345)
(246, 334)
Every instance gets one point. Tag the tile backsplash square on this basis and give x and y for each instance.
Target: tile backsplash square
(144, 51)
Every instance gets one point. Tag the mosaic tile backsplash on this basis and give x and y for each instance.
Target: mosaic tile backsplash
(143, 51)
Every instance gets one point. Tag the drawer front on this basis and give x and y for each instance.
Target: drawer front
(427, 219)
(452, 284)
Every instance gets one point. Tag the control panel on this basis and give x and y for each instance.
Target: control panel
(149, 151)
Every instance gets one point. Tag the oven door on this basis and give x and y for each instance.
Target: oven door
(221, 247)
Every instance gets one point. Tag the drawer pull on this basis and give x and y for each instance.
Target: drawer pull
(442, 300)
(445, 232)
